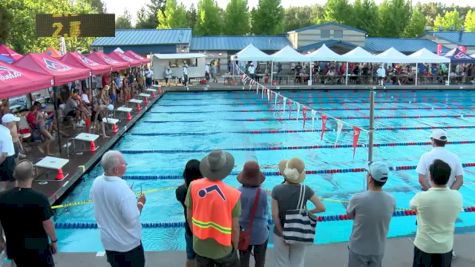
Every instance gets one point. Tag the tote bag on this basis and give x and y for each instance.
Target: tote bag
(299, 225)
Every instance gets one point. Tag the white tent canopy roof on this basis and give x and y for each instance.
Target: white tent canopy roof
(425, 56)
(288, 54)
(359, 55)
(392, 55)
(179, 55)
(251, 53)
(323, 54)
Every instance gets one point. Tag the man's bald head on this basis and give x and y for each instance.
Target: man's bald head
(23, 171)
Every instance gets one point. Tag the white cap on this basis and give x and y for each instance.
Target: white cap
(439, 134)
(9, 118)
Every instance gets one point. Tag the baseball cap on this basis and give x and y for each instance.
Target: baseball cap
(9, 118)
(379, 171)
(439, 134)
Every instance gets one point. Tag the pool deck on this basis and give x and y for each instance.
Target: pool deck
(399, 252)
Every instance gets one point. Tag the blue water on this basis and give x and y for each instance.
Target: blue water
(182, 126)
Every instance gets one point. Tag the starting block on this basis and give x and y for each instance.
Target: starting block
(112, 122)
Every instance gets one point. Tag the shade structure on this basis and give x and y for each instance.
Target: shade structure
(77, 60)
(7, 51)
(288, 54)
(104, 59)
(359, 55)
(456, 56)
(323, 54)
(6, 59)
(392, 55)
(132, 54)
(46, 65)
(15, 81)
(50, 51)
(425, 56)
(123, 57)
(251, 53)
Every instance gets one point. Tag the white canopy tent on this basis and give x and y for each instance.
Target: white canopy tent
(425, 56)
(322, 54)
(358, 55)
(286, 54)
(392, 55)
(251, 53)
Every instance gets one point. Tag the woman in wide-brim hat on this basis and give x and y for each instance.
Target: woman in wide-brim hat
(285, 197)
(251, 179)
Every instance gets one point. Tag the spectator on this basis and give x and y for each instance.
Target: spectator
(10, 121)
(252, 71)
(39, 123)
(251, 179)
(285, 197)
(26, 218)
(149, 77)
(207, 72)
(439, 140)
(371, 212)
(213, 210)
(191, 173)
(437, 209)
(7, 149)
(117, 213)
(185, 74)
(168, 75)
(381, 73)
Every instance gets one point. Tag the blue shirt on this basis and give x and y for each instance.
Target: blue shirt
(260, 231)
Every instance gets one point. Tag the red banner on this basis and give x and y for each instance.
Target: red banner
(463, 48)
(304, 112)
(439, 49)
(324, 125)
(356, 136)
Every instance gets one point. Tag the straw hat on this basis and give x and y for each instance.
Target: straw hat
(217, 165)
(293, 170)
(251, 174)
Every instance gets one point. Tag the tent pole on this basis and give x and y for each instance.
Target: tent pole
(271, 73)
(346, 74)
(310, 70)
(448, 75)
(371, 129)
(416, 72)
(55, 105)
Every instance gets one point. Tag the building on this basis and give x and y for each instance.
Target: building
(453, 39)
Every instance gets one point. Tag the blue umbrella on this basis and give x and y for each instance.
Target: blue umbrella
(6, 59)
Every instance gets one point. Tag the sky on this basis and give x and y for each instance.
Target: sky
(118, 6)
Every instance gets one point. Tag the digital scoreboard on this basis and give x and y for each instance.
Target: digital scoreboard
(75, 25)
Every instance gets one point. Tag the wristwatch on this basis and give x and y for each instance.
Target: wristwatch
(54, 241)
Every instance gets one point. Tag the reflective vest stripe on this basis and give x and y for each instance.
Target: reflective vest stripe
(205, 225)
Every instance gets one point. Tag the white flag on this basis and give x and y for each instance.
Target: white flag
(275, 100)
(298, 111)
(339, 128)
(314, 114)
(285, 101)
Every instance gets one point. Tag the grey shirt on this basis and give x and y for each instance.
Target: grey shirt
(260, 231)
(372, 212)
(287, 196)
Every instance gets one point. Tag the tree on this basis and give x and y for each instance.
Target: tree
(394, 15)
(173, 16)
(297, 17)
(365, 16)
(97, 5)
(268, 17)
(469, 24)
(209, 18)
(143, 20)
(416, 24)
(430, 11)
(5, 24)
(124, 21)
(191, 16)
(450, 21)
(236, 18)
(339, 11)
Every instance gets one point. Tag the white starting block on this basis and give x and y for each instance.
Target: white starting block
(87, 137)
(144, 95)
(136, 101)
(126, 110)
(113, 122)
(152, 91)
(53, 163)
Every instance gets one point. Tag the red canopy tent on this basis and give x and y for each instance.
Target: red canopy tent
(123, 57)
(80, 61)
(7, 51)
(50, 51)
(104, 59)
(132, 54)
(46, 65)
(16, 81)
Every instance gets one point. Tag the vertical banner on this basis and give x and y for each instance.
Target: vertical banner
(339, 128)
(324, 125)
(289, 102)
(439, 49)
(298, 111)
(304, 113)
(284, 100)
(356, 136)
(314, 114)
(263, 88)
(275, 101)
(269, 95)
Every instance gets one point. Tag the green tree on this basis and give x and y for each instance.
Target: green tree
(430, 11)
(416, 24)
(339, 11)
(209, 18)
(173, 16)
(97, 6)
(365, 16)
(124, 21)
(450, 21)
(297, 17)
(236, 18)
(191, 16)
(317, 14)
(469, 24)
(394, 15)
(5, 24)
(268, 17)
(143, 20)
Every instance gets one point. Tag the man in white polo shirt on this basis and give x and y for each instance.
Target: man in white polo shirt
(439, 140)
(7, 150)
(117, 213)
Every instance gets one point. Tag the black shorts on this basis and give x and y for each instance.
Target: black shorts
(422, 258)
(131, 258)
(42, 258)
(6, 169)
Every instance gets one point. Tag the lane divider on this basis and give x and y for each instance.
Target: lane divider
(275, 173)
(285, 147)
(325, 218)
(272, 131)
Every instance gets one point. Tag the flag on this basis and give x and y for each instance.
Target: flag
(298, 111)
(275, 100)
(289, 102)
(284, 100)
(339, 128)
(439, 49)
(356, 136)
(314, 114)
(324, 125)
(304, 113)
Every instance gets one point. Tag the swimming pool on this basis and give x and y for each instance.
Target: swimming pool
(182, 126)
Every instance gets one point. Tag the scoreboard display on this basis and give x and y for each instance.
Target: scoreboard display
(75, 25)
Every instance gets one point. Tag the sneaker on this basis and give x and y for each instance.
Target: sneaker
(454, 255)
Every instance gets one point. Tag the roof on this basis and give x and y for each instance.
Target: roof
(457, 37)
(145, 37)
(179, 56)
(222, 43)
(317, 26)
(405, 45)
(328, 43)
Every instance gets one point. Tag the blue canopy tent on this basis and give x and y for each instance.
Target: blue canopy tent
(6, 59)
(456, 56)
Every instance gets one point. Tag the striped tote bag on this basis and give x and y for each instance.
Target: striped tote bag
(299, 225)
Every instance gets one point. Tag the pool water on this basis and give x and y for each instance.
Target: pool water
(183, 126)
